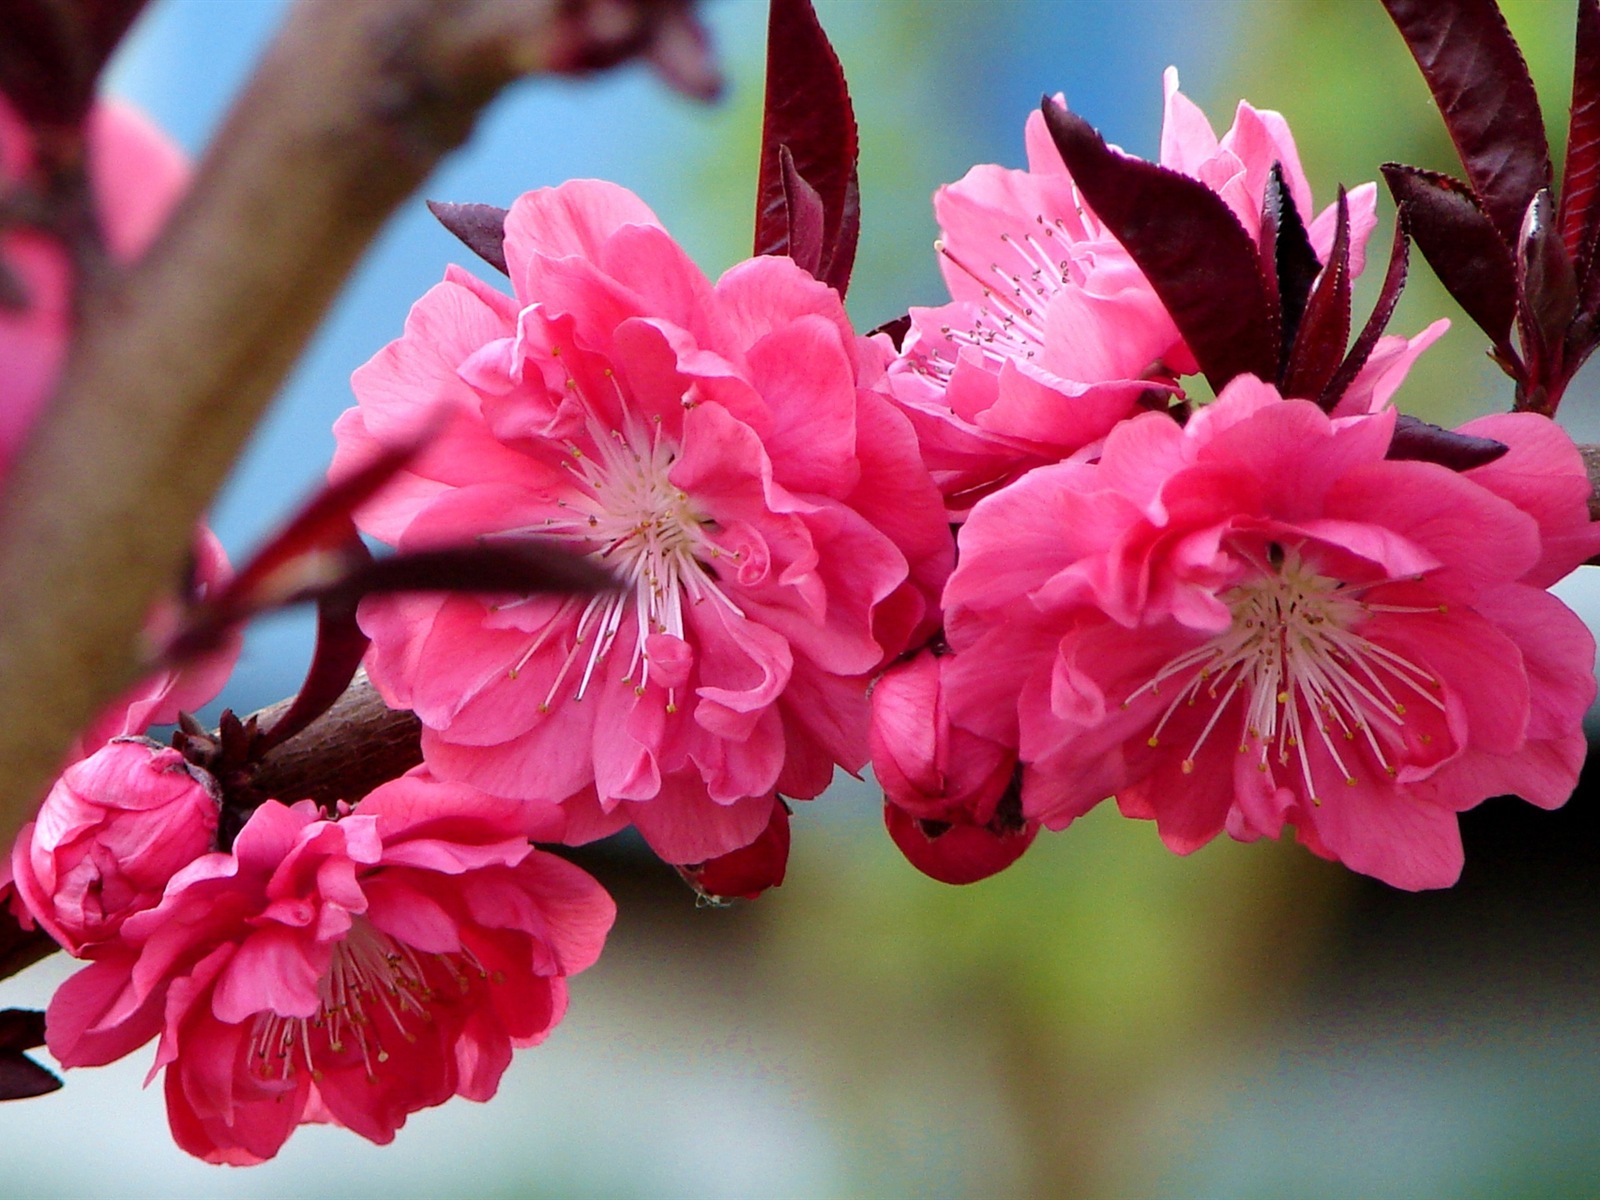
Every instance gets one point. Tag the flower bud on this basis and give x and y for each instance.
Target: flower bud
(745, 873)
(113, 830)
(934, 770)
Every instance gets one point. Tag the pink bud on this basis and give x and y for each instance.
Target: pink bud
(957, 853)
(745, 873)
(114, 829)
(933, 769)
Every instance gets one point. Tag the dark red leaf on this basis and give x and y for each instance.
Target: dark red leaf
(1394, 282)
(1547, 302)
(335, 659)
(803, 209)
(21, 1078)
(1486, 96)
(313, 553)
(1580, 178)
(20, 1029)
(1418, 440)
(1288, 262)
(808, 110)
(52, 52)
(1324, 333)
(896, 330)
(1198, 258)
(1457, 238)
(522, 567)
(20, 948)
(481, 228)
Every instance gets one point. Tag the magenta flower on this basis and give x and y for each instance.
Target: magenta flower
(347, 971)
(1258, 620)
(113, 830)
(1053, 334)
(774, 531)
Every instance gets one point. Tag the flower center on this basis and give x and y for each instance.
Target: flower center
(1009, 323)
(1308, 681)
(376, 990)
(627, 513)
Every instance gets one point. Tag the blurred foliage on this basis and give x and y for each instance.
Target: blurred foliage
(1049, 998)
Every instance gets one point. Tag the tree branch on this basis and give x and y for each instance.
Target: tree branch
(353, 747)
(176, 358)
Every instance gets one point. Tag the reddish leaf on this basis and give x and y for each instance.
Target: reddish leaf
(1547, 302)
(20, 1077)
(803, 211)
(1580, 178)
(1486, 96)
(1324, 333)
(1394, 282)
(20, 948)
(481, 228)
(20, 1029)
(52, 52)
(335, 660)
(896, 330)
(1288, 262)
(1461, 245)
(1418, 440)
(808, 111)
(521, 567)
(1196, 255)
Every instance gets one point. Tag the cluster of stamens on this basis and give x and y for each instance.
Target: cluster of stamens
(375, 989)
(1010, 321)
(1307, 679)
(627, 513)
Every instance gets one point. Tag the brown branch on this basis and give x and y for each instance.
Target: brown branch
(177, 357)
(357, 744)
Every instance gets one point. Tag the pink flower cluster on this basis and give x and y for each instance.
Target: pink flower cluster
(1250, 621)
(1241, 616)
(348, 970)
(1053, 334)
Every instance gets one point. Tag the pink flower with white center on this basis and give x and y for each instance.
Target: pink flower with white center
(113, 830)
(775, 533)
(347, 971)
(1053, 334)
(1258, 620)
(136, 174)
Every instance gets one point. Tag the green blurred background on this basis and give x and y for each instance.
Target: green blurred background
(1103, 1020)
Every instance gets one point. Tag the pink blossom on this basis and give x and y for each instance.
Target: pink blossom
(347, 971)
(113, 830)
(949, 794)
(1053, 334)
(718, 445)
(136, 174)
(1257, 620)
